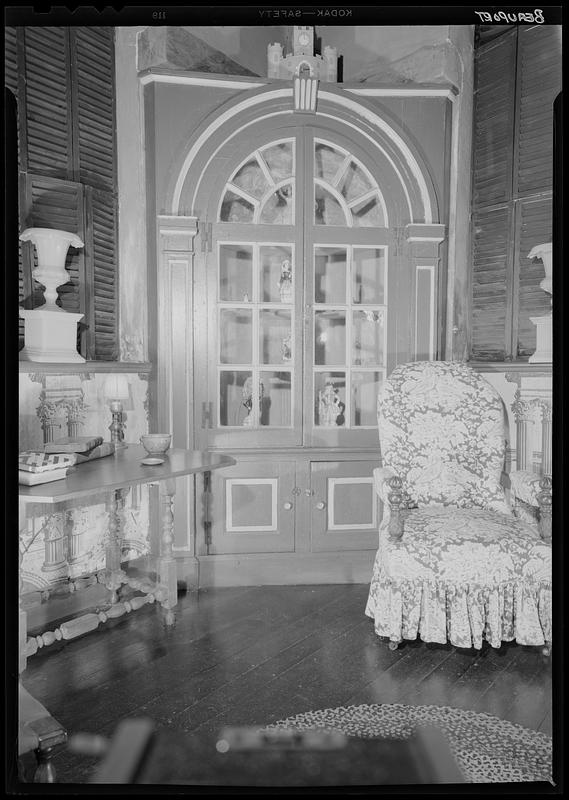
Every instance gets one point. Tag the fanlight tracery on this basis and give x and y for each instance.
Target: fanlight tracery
(261, 190)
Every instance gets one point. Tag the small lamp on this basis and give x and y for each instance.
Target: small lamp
(116, 390)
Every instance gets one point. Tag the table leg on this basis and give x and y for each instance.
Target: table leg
(37, 729)
(115, 576)
(167, 574)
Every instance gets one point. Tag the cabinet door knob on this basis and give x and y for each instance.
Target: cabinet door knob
(297, 490)
(320, 505)
(287, 506)
(309, 492)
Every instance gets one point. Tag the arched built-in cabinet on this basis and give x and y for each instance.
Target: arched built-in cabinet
(305, 268)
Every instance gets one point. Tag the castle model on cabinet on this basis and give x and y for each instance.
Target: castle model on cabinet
(302, 60)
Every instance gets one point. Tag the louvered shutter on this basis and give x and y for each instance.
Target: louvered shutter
(104, 295)
(492, 190)
(517, 78)
(10, 60)
(64, 78)
(95, 132)
(490, 283)
(494, 99)
(539, 82)
(48, 102)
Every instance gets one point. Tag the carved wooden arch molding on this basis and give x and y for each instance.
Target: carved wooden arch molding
(239, 117)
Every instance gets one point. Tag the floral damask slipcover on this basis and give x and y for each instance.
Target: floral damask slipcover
(459, 566)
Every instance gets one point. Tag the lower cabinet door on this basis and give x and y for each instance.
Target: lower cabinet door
(345, 511)
(254, 508)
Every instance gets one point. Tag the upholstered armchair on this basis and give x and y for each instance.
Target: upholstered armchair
(454, 563)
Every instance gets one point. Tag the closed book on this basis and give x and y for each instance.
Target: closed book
(73, 444)
(105, 449)
(36, 461)
(33, 478)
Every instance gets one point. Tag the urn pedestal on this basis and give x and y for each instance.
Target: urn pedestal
(50, 337)
(50, 332)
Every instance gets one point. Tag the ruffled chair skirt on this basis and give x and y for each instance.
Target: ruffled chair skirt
(501, 590)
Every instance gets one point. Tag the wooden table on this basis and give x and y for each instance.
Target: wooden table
(113, 476)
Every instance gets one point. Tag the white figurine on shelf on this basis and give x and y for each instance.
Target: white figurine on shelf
(285, 282)
(330, 407)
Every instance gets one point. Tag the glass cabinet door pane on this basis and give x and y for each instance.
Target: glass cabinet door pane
(235, 208)
(234, 397)
(279, 158)
(329, 399)
(235, 273)
(369, 275)
(276, 274)
(235, 336)
(327, 210)
(251, 179)
(367, 337)
(365, 388)
(275, 345)
(354, 183)
(330, 337)
(368, 214)
(276, 399)
(327, 161)
(277, 209)
(330, 265)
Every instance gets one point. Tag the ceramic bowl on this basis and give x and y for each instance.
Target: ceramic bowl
(155, 443)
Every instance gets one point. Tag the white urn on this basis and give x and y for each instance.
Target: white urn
(544, 251)
(51, 247)
(50, 332)
(543, 325)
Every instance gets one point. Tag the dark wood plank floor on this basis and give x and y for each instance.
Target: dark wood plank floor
(247, 656)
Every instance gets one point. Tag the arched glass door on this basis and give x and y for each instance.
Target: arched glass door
(299, 324)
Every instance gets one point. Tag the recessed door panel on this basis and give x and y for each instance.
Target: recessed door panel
(345, 510)
(253, 509)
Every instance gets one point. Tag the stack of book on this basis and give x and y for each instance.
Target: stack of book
(37, 467)
(84, 448)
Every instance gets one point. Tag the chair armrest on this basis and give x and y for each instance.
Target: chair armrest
(545, 500)
(389, 487)
(536, 491)
(381, 475)
(525, 486)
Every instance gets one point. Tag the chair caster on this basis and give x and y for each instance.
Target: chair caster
(393, 645)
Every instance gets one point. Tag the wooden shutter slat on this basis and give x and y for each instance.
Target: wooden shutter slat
(11, 60)
(494, 120)
(47, 106)
(489, 283)
(105, 286)
(96, 126)
(539, 78)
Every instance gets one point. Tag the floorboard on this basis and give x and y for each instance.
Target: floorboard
(251, 656)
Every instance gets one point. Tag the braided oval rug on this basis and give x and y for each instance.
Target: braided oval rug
(487, 749)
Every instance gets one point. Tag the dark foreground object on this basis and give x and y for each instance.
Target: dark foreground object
(139, 753)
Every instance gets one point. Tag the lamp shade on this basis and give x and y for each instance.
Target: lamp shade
(116, 387)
